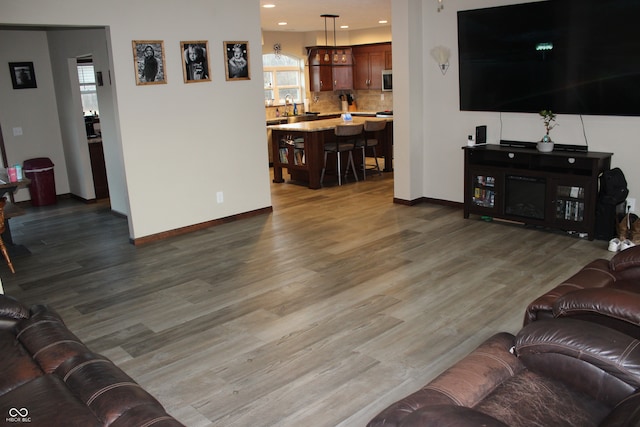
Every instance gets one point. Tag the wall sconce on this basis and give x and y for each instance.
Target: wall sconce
(441, 54)
(277, 48)
(440, 5)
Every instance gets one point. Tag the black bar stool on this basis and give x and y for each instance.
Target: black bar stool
(346, 138)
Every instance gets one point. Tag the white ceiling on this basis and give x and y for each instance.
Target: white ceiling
(304, 15)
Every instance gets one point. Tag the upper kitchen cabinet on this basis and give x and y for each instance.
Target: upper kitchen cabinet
(369, 61)
(330, 68)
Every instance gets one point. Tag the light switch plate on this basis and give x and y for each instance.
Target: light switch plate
(17, 131)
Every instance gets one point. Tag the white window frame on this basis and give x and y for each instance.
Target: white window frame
(275, 87)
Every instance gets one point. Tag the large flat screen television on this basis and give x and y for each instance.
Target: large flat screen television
(569, 56)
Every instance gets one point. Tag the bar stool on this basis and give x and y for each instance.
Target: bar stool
(371, 128)
(346, 139)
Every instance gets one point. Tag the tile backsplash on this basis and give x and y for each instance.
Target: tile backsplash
(329, 102)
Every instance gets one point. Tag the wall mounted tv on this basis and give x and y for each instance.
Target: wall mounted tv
(570, 56)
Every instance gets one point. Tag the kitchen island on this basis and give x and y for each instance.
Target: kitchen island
(299, 147)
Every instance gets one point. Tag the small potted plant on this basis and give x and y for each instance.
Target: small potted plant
(549, 119)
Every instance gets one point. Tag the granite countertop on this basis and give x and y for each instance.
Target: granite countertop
(324, 124)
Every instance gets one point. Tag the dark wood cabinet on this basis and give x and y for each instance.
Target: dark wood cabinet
(332, 72)
(369, 61)
(556, 190)
(99, 170)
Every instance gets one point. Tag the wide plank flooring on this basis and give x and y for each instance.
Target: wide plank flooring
(319, 314)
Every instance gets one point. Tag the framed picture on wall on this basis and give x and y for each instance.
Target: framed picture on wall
(148, 61)
(22, 75)
(195, 61)
(237, 60)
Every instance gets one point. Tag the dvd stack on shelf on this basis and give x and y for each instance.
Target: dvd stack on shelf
(570, 203)
(484, 191)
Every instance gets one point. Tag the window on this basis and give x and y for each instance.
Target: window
(282, 77)
(87, 79)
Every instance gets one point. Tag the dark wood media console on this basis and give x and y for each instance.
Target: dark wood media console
(517, 183)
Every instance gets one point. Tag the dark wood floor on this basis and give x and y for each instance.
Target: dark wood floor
(319, 314)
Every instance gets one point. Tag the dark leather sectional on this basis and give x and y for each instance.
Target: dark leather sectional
(575, 363)
(48, 377)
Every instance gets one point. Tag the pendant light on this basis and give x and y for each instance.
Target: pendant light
(335, 52)
(327, 57)
(326, 43)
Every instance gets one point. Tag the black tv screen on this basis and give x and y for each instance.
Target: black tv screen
(568, 56)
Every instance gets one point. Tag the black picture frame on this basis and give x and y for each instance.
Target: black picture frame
(23, 76)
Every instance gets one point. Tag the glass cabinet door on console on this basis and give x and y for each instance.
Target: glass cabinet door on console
(484, 196)
(570, 204)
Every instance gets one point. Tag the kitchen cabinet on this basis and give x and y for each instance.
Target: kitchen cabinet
(330, 75)
(369, 61)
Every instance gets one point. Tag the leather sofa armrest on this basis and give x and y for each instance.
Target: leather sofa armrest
(591, 358)
(481, 371)
(625, 260)
(625, 414)
(596, 274)
(615, 308)
(11, 308)
(11, 311)
(450, 415)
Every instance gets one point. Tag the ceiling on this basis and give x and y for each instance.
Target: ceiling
(304, 15)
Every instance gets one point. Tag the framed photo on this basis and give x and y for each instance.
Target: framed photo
(22, 75)
(237, 60)
(148, 61)
(195, 61)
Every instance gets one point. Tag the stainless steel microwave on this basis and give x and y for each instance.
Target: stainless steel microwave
(387, 80)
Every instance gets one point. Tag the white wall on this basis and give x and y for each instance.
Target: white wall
(443, 129)
(33, 110)
(180, 143)
(65, 47)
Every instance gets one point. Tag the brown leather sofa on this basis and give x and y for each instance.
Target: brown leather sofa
(50, 378)
(557, 372)
(575, 363)
(607, 292)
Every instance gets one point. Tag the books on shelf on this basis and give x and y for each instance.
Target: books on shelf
(298, 156)
(484, 197)
(570, 210)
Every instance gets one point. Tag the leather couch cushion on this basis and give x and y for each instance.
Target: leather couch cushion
(450, 416)
(107, 390)
(612, 307)
(16, 364)
(529, 399)
(45, 336)
(608, 360)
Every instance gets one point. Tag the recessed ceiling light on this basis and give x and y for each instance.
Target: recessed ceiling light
(344, 26)
(269, 6)
(282, 23)
(383, 21)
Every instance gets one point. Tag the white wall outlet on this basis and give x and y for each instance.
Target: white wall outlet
(17, 131)
(382, 97)
(220, 197)
(631, 205)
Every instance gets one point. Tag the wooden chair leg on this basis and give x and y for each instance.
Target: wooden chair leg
(3, 249)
